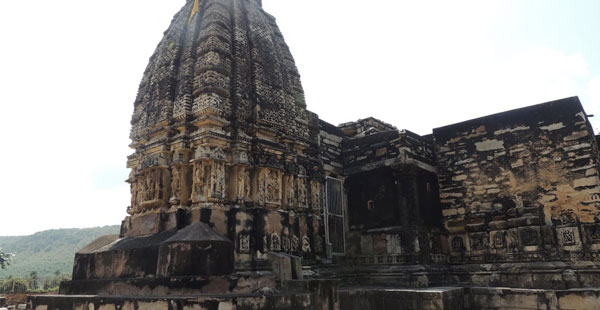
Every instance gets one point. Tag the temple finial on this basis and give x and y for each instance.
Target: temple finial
(194, 10)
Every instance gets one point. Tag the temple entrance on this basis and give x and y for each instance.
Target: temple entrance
(334, 215)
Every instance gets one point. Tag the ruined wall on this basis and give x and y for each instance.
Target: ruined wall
(521, 185)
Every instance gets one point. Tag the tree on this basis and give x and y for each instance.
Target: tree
(33, 280)
(5, 259)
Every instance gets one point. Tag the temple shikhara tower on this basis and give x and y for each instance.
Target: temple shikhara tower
(222, 136)
(241, 198)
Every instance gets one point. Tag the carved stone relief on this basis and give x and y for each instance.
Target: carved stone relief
(244, 243)
(134, 198)
(290, 192)
(498, 239)
(306, 244)
(269, 186)
(529, 236)
(243, 184)
(294, 244)
(315, 193)
(568, 237)
(200, 182)
(593, 232)
(458, 244)
(318, 244)
(478, 241)
(209, 181)
(285, 243)
(275, 243)
(176, 183)
(273, 187)
(218, 180)
(301, 192)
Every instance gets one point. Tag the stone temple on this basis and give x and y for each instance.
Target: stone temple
(243, 199)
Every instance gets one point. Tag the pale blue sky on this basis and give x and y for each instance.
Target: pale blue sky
(70, 71)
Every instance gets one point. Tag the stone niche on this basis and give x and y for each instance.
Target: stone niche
(388, 197)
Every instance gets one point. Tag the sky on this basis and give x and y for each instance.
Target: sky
(70, 69)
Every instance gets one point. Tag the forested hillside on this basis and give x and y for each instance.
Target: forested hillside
(48, 252)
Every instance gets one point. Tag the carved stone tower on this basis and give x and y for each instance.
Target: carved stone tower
(222, 135)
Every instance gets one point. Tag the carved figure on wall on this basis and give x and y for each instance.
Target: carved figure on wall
(477, 242)
(148, 188)
(318, 244)
(244, 243)
(176, 185)
(289, 190)
(241, 183)
(218, 180)
(568, 236)
(305, 244)
(285, 243)
(247, 184)
(199, 188)
(458, 244)
(499, 239)
(294, 244)
(275, 243)
(315, 190)
(594, 232)
(301, 184)
(260, 194)
(273, 187)
(529, 237)
(265, 248)
(158, 185)
(134, 196)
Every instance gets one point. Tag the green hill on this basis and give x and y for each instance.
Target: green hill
(48, 251)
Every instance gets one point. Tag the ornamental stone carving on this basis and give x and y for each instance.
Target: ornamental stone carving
(269, 186)
(306, 244)
(290, 192)
(315, 192)
(176, 183)
(301, 192)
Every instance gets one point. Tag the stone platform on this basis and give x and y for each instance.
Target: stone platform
(206, 302)
(308, 295)
(176, 286)
(442, 298)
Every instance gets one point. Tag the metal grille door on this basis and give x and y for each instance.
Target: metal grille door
(334, 213)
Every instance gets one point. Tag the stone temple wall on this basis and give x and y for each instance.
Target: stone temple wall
(521, 185)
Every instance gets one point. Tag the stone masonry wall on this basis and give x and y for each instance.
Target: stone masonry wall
(521, 185)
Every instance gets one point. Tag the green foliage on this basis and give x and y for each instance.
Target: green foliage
(11, 285)
(31, 285)
(48, 253)
(4, 259)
